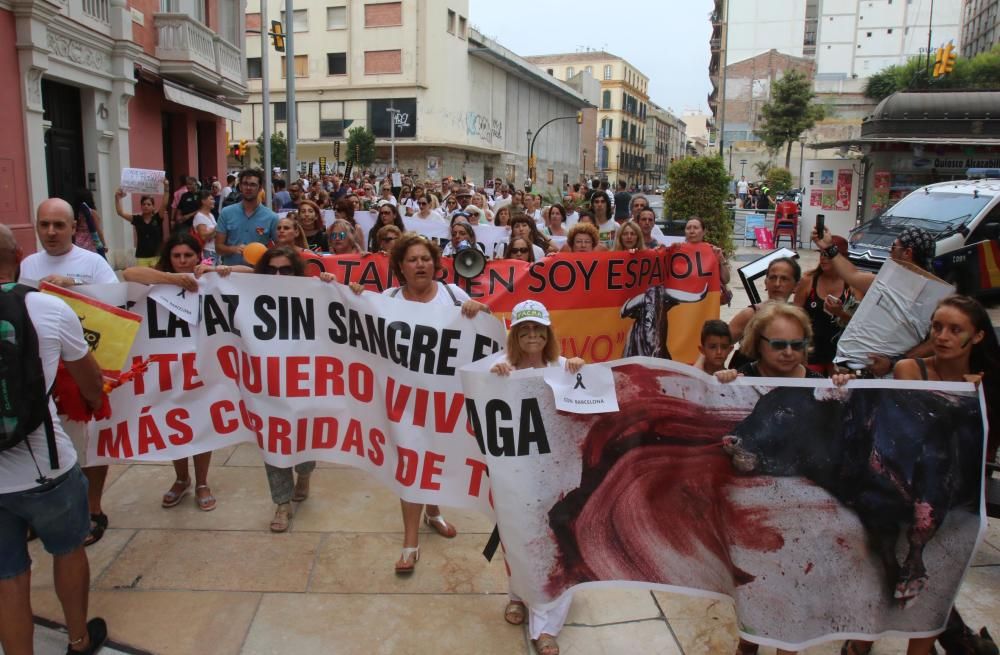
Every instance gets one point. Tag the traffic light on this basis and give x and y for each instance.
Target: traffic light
(243, 147)
(277, 36)
(579, 118)
(236, 150)
(948, 61)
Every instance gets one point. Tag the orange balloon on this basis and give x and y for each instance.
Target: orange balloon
(253, 252)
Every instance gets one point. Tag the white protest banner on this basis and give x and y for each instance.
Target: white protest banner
(308, 371)
(791, 500)
(142, 180)
(180, 302)
(591, 390)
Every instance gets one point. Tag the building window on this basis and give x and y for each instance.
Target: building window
(607, 125)
(280, 112)
(606, 100)
(384, 14)
(462, 27)
(405, 117)
(300, 20)
(301, 66)
(331, 128)
(336, 63)
(607, 72)
(383, 62)
(450, 25)
(253, 23)
(589, 69)
(336, 18)
(253, 68)
(570, 72)
(550, 71)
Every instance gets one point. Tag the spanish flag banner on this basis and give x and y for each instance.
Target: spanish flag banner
(108, 330)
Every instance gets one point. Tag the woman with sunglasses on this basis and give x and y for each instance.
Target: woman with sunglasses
(461, 230)
(823, 294)
(285, 488)
(425, 210)
(532, 343)
(520, 249)
(486, 214)
(522, 225)
(415, 260)
(776, 340)
(180, 265)
(342, 239)
(310, 217)
(388, 214)
(386, 238)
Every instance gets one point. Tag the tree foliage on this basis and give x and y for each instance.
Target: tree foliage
(790, 112)
(761, 167)
(279, 151)
(361, 146)
(778, 179)
(979, 72)
(699, 186)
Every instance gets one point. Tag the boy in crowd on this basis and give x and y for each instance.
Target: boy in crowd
(716, 344)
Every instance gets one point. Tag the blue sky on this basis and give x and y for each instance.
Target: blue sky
(665, 39)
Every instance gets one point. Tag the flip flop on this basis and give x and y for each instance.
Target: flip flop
(205, 503)
(100, 524)
(514, 612)
(439, 525)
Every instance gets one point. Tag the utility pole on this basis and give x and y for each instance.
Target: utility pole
(290, 113)
(265, 99)
(930, 24)
(392, 138)
(725, 56)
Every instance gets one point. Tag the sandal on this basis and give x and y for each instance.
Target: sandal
(546, 645)
(514, 612)
(97, 631)
(282, 516)
(439, 525)
(176, 493)
(405, 565)
(855, 647)
(206, 503)
(301, 491)
(99, 523)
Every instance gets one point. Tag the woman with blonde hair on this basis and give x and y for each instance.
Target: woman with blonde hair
(630, 237)
(342, 239)
(289, 232)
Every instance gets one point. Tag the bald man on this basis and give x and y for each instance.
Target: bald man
(62, 263)
(50, 497)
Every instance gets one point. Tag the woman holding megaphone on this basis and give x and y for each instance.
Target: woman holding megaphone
(416, 260)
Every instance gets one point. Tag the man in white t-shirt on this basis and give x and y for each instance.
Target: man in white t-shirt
(61, 263)
(65, 265)
(33, 495)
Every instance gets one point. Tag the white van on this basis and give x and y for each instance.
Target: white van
(957, 213)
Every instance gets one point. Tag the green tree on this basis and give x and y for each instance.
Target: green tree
(979, 72)
(361, 142)
(778, 179)
(699, 186)
(279, 151)
(790, 112)
(761, 168)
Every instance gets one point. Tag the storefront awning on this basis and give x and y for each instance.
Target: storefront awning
(194, 100)
(944, 141)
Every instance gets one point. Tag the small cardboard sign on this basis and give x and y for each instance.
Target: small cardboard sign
(591, 390)
(178, 301)
(142, 180)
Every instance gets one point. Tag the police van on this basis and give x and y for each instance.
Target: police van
(960, 214)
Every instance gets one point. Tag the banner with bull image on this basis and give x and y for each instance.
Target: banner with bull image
(604, 305)
(823, 513)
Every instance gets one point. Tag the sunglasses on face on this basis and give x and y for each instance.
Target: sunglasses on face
(338, 236)
(519, 251)
(422, 203)
(797, 345)
(280, 270)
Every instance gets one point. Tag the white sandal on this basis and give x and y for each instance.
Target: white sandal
(404, 565)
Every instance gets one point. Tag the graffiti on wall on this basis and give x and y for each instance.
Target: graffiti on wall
(486, 128)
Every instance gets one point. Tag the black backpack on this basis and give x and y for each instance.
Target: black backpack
(233, 198)
(24, 398)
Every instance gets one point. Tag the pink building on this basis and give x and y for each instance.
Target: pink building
(94, 86)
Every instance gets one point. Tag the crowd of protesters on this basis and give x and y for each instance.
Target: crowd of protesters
(207, 228)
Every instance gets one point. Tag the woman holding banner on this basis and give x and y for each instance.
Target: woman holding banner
(522, 225)
(415, 260)
(823, 293)
(344, 211)
(388, 214)
(520, 249)
(630, 237)
(310, 217)
(583, 237)
(532, 343)
(288, 232)
(180, 265)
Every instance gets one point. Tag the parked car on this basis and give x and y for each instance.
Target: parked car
(958, 213)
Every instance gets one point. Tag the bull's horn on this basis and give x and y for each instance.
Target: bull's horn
(687, 296)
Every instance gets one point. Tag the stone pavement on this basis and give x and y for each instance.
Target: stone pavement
(188, 582)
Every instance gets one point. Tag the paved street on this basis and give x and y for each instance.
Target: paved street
(188, 582)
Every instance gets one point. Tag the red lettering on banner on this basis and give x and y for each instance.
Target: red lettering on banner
(253, 423)
(362, 382)
(250, 367)
(377, 440)
(177, 420)
(220, 424)
(329, 377)
(163, 361)
(476, 476)
(395, 404)
(278, 432)
(191, 380)
(406, 466)
(445, 416)
(149, 434)
(139, 381)
(324, 434)
(294, 377)
(115, 444)
(420, 408)
(428, 479)
(353, 440)
(445, 419)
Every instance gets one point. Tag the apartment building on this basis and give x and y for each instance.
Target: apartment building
(622, 111)
(463, 103)
(980, 26)
(94, 86)
(666, 141)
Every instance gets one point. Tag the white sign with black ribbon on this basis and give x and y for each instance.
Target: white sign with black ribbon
(591, 390)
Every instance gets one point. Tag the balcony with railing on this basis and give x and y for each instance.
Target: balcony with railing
(190, 51)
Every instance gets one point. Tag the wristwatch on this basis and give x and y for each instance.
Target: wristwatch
(831, 252)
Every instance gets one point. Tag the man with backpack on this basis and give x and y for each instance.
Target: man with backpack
(41, 485)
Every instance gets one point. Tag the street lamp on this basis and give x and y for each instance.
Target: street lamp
(585, 163)
(392, 137)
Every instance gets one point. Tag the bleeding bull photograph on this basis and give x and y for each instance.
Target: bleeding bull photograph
(823, 513)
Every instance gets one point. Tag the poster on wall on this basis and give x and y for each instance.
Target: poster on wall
(826, 177)
(433, 167)
(843, 202)
(829, 197)
(880, 195)
(816, 198)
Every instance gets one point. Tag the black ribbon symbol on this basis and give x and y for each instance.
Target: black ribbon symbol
(182, 294)
(579, 382)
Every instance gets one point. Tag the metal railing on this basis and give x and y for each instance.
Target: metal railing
(99, 10)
